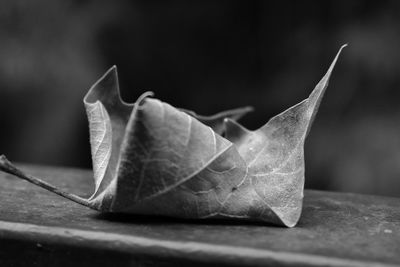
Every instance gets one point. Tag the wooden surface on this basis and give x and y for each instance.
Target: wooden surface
(38, 228)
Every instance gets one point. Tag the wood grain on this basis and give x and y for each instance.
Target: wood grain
(38, 228)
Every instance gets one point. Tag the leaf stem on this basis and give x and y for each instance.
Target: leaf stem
(8, 167)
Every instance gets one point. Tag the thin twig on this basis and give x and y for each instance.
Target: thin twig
(8, 167)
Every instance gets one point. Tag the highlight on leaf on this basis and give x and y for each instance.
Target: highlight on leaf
(151, 158)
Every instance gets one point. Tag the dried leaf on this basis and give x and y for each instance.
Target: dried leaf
(151, 158)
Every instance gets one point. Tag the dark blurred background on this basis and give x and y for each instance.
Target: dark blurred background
(209, 56)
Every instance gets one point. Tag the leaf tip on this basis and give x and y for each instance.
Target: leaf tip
(144, 96)
(340, 50)
(336, 58)
(248, 109)
(112, 70)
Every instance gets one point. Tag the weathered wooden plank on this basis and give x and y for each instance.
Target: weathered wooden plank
(336, 229)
